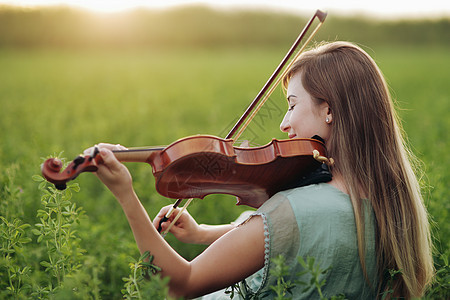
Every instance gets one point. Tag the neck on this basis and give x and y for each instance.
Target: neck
(135, 155)
(339, 183)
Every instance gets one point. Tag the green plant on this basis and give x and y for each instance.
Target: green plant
(280, 271)
(14, 271)
(242, 290)
(13, 239)
(56, 230)
(11, 205)
(84, 283)
(284, 287)
(392, 274)
(136, 285)
(440, 288)
(315, 271)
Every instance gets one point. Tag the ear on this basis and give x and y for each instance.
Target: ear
(326, 113)
(329, 115)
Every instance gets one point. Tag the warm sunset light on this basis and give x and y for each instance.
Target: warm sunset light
(382, 8)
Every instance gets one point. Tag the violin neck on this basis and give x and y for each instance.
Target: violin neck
(135, 155)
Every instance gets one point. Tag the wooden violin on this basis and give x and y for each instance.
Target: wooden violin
(196, 166)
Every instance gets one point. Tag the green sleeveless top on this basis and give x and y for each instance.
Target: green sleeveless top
(314, 221)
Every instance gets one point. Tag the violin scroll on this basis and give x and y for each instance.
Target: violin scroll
(51, 168)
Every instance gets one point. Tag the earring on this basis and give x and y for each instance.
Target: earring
(327, 120)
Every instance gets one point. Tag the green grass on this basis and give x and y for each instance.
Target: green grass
(61, 100)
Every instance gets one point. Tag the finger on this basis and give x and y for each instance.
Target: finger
(120, 147)
(164, 221)
(163, 210)
(163, 226)
(109, 146)
(109, 159)
(161, 216)
(174, 229)
(168, 210)
(89, 150)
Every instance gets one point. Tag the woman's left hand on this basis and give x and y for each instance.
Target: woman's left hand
(111, 172)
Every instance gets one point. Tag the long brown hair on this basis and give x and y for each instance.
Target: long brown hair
(370, 154)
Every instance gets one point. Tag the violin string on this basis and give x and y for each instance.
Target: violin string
(274, 86)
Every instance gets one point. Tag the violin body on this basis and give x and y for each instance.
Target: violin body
(251, 174)
(197, 166)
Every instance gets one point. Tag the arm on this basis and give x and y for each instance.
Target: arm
(231, 258)
(212, 232)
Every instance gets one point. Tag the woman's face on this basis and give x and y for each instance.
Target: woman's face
(305, 118)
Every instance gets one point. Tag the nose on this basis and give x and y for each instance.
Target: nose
(284, 126)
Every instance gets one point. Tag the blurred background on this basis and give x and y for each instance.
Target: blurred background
(145, 73)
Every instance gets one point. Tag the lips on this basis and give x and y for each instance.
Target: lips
(292, 135)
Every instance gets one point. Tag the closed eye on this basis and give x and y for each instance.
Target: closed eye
(291, 106)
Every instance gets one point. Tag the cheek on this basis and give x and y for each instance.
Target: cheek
(296, 121)
(305, 124)
(299, 121)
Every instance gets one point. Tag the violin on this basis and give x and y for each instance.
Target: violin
(196, 166)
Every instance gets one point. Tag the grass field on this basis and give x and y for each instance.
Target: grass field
(55, 101)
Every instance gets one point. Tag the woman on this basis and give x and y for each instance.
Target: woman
(367, 221)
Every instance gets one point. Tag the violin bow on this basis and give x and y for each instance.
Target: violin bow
(275, 79)
(259, 100)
